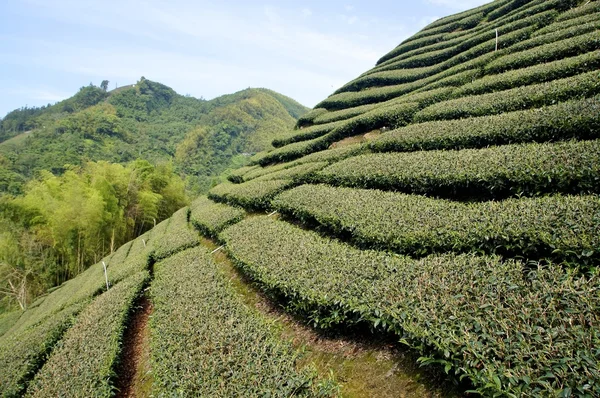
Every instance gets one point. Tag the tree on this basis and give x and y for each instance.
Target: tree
(104, 85)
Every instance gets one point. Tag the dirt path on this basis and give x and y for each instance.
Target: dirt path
(134, 378)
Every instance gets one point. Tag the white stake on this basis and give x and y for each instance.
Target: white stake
(105, 274)
(496, 39)
(144, 242)
(217, 249)
(275, 212)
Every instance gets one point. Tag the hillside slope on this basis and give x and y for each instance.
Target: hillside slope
(448, 197)
(146, 120)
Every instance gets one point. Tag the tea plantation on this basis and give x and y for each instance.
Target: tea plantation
(448, 198)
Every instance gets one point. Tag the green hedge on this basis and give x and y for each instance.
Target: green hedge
(84, 362)
(237, 175)
(294, 151)
(251, 195)
(506, 23)
(298, 173)
(465, 43)
(392, 116)
(534, 74)
(24, 352)
(121, 253)
(585, 9)
(218, 346)
(571, 119)
(485, 9)
(307, 119)
(566, 24)
(533, 228)
(8, 319)
(179, 235)
(79, 289)
(526, 334)
(488, 173)
(334, 155)
(344, 114)
(305, 134)
(582, 85)
(506, 41)
(210, 218)
(408, 80)
(526, 56)
(411, 43)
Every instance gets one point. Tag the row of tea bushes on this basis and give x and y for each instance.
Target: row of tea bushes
(534, 74)
(566, 120)
(509, 332)
(84, 362)
(217, 347)
(571, 167)
(237, 175)
(179, 235)
(562, 24)
(524, 97)
(530, 54)
(210, 218)
(533, 228)
(251, 195)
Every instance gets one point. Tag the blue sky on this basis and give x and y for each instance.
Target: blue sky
(303, 49)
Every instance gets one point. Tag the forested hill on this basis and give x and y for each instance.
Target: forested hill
(146, 120)
(442, 209)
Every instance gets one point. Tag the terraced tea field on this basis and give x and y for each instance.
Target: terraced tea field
(459, 227)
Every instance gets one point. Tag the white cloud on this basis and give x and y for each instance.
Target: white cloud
(205, 50)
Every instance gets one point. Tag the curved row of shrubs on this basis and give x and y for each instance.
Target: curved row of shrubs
(508, 331)
(572, 119)
(523, 97)
(531, 228)
(571, 167)
(210, 218)
(217, 346)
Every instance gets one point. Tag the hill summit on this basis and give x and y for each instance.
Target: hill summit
(448, 197)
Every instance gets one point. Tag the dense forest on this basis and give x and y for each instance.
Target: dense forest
(81, 177)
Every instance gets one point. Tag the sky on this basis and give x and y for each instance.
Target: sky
(303, 49)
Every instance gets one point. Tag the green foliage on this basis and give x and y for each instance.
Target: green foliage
(584, 9)
(566, 120)
(8, 319)
(468, 313)
(307, 119)
(540, 15)
(252, 195)
(294, 151)
(179, 235)
(210, 218)
(562, 24)
(489, 173)
(305, 134)
(77, 217)
(22, 354)
(544, 49)
(218, 347)
(237, 175)
(391, 116)
(518, 98)
(93, 123)
(534, 228)
(534, 74)
(508, 39)
(246, 125)
(84, 362)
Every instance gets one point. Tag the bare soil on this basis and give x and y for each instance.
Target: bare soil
(133, 374)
